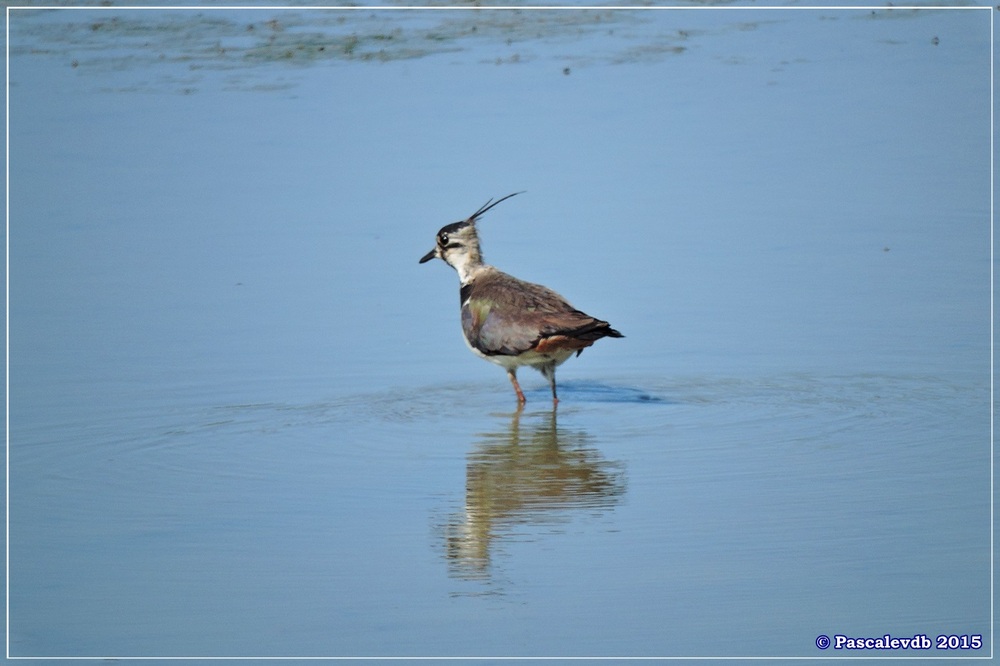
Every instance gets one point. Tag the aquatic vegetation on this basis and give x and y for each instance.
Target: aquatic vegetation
(94, 41)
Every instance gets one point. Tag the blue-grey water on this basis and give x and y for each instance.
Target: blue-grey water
(243, 422)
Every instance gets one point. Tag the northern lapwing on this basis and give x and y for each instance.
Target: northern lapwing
(509, 321)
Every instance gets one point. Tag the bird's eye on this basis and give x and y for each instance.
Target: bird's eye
(443, 239)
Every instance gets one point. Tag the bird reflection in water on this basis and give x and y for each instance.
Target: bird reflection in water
(525, 475)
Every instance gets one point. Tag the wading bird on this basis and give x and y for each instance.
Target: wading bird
(509, 321)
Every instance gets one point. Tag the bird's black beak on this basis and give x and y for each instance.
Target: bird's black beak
(430, 255)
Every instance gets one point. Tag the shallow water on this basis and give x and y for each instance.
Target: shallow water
(243, 421)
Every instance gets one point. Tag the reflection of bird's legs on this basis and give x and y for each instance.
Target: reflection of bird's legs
(517, 387)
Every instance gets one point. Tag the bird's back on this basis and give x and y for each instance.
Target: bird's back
(504, 315)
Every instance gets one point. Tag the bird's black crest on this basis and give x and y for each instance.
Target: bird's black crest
(461, 224)
(453, 227)
(486, 206)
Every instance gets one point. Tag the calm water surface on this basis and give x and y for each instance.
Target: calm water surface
(242, 418)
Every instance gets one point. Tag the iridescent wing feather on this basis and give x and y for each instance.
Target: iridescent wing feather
(502, 315)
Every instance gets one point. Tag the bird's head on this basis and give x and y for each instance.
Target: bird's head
(458, 243)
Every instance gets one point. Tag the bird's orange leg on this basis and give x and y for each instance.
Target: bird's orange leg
(517, 387)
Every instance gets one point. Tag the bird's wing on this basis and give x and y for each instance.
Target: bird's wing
(506, 316)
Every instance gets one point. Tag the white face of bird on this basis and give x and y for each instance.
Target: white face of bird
(458, 245)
